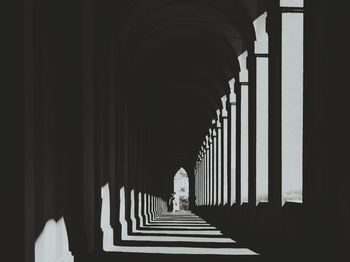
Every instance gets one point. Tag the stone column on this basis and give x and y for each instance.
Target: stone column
(224, 151)
(233, 142)
(202, 175)
(208, 171)
(262, 108)
(213, 167)
(244, 137)
(219, 157)
(195, 183)
(196, 175)
(199, 177)
(202, 180)
(292, 69)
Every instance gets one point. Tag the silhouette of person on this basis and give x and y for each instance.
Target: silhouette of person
(171, 202)
(176, 202)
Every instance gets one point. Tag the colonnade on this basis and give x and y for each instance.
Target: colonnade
(271, 146)
(233, 163)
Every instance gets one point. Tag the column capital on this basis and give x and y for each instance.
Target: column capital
(212, 133)
(232, 96)
(218, 122)
(261, 48)
(243, 76)
(224, 110)
(207, 142)
(204, 148)
(260, 27)
(210, 141)
(233, 99)
(292, 6)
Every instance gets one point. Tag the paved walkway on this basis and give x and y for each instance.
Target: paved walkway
(180, 235)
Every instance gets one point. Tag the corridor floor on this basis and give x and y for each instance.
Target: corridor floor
(178, 236)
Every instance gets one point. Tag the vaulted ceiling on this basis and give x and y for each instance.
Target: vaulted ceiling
(177, 57)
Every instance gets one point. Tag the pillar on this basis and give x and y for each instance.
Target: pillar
(262, 108)
(224, 151)
(213, 168)
(196, 172)
(233, 141)
(200, 181)
(208, 172)
(292, 99)
(202, 176)
(203, 173)
(200, 172)
(244, 134)
(219, 157)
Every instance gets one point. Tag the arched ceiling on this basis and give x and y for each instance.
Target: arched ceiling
(179, 56)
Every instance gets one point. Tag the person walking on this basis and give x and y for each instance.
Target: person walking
(171, 202)
(176, 202)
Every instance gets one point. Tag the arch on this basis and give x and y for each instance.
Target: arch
(231, 60)
(146, 29)
(248, 36)
(208, 79)
(181, 190)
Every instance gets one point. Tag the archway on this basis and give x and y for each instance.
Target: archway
(181, 189)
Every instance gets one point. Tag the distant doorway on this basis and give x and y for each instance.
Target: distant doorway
(181, 189)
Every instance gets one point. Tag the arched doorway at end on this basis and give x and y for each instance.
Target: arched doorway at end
(181, 189)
